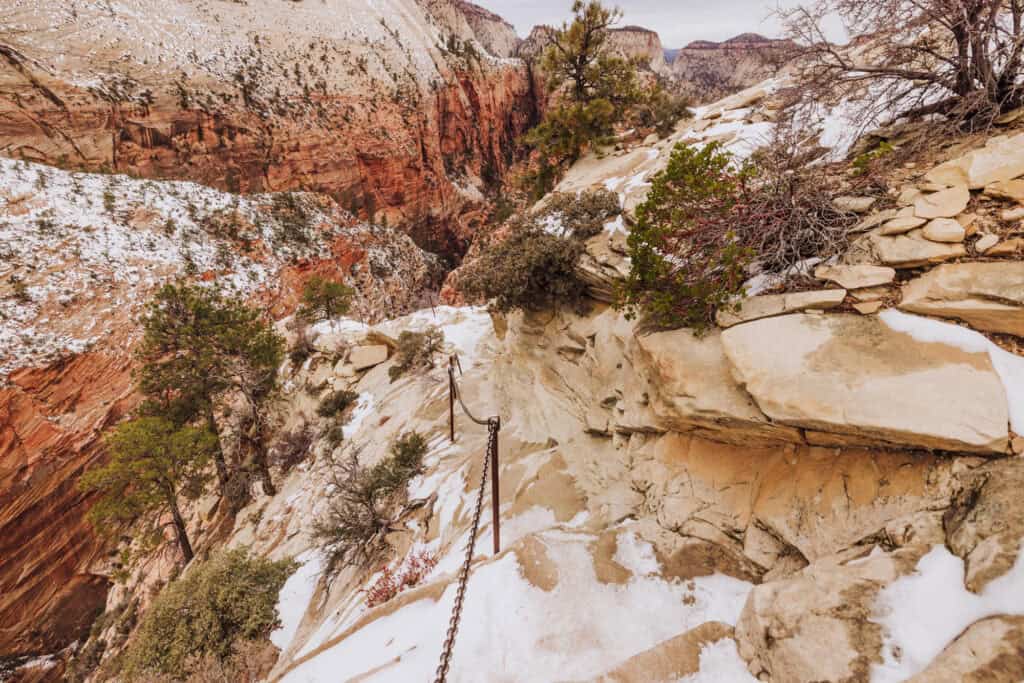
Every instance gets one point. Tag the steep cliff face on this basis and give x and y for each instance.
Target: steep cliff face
(636, 42)
(384, 108)
(81, 254)
(708, 70)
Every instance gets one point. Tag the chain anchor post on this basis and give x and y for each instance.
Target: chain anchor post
(494, 424)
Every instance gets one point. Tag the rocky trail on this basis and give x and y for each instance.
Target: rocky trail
(825, 486)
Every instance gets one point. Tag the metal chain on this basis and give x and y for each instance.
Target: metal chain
(493, 425)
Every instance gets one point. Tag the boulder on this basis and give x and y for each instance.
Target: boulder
(367, 356)
(756, 307)
(1002, 158)
(944, 204)
(816, 626)
(944, 230)
(853, 204)
(985, 522)
(856, 277)
(988, 650)
(691, 386)
(901, 225)
(851, 375)
(911, 250)
(1014, 214)
(989, 295)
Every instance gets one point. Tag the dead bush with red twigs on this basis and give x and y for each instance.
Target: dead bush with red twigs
(408, 574)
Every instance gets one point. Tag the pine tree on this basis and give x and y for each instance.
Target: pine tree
(197, 349)
(154, 464)
(324, 299)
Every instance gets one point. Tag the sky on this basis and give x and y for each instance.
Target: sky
(677, 21)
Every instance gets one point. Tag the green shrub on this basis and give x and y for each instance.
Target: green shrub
(415, 351)
(584, 214)
(353, 528)
(335, 402)
(686, 256)
(228, 599)
(708, 220)
(335, 435)
(661, 110)
(530, 270)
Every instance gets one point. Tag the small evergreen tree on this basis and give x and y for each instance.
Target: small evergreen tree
(154, 464)
(198, 347)
(324, 299)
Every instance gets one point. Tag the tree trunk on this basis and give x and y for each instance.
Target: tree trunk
(179, 527)
(218, 454)
(262, 468)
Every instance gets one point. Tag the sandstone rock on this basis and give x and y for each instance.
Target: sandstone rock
(1006, 189)
(853, 204)
(989, 296)
(756, 307)
(853, 375)
(912, 250)
(1010, 247)
(986, 242)
(901, 225)
(985, 522)
(1010, 116)
(870, 293)
(969, 222)
(908, 195)
(367, 356)
(691, 386)
(856, 277)
(873, 220)
(1012, 214)
(651, 139)
(1002, 158)
(944, 204)
(989, 650)
(816, 626)
(944, 230)
(867, 307)
(670, 660)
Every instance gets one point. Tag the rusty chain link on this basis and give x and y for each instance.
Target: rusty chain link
(493, 427)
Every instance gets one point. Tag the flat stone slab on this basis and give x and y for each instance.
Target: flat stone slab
(912, 250)
(1002, 158)
(989, 296)
(756, 307)
(853, 375)
(944, 204)
(367, 356)
(856, 277)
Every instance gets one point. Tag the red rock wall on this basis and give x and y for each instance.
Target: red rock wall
(377, 156)
(51, 420)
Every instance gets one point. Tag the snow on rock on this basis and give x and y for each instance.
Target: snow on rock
(294, 598)
(720, 663)
(923, 612)
(465, 328)
(95, 245)
(1009, 366)
(524, 632)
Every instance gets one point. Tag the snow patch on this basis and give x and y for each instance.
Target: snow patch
(293, 601)
(925, 611)
(720, 662)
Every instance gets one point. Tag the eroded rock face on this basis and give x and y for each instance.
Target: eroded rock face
(374, 111)
(816, 626)
(989, 296)
(854, 376)
(51, 425)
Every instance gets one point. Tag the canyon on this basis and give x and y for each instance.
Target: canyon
(780, 497)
